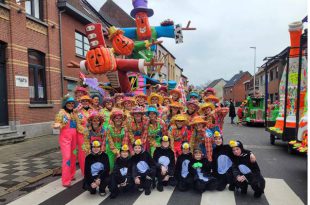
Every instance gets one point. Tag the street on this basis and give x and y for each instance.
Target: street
(285, 174)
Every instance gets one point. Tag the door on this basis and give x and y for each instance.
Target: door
(3, 88)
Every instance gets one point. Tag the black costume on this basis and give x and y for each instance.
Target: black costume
(121, 176)
(222, 166)
(143, 166)
(97, 167)
(201, 173)
(243, 166)
(181, 174)
(164, 157)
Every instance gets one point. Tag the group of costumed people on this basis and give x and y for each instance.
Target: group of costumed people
(139, 142)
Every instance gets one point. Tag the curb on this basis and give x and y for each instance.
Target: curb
(28, 182)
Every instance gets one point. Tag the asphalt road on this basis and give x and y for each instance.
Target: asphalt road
(274, 160)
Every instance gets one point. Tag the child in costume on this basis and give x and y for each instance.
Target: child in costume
(174, 108)
(178, 133)
(156, 129)
(128, 103)
(96, 101)
(166, 101)
(176, 95)
(137, 127)
(200, 170)
(141, 100)
(240, 114)
(246, 170)
(121, 176)
(222, 163)
(117, 135)
(118, 98)
(192, 110)
(156, 100)
(95, 132)
(96, 170)
(219, 115)
(181, 174)
(81, 115)
(202, 137)
(108, 104)
(206, 110)
(165, 164)
(79, 92)
(65, 121)
(143, 168)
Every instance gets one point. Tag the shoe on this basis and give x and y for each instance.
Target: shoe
(102, 193)
(160, 188)
(140, 189)
(244, 191)
(258, 194)
(147, 191)
(231, 187)
(113, 195)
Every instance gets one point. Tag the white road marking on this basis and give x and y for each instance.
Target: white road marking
(46, 192)
(277, 192)
(158, 197)
(87, 198)
(218, 198)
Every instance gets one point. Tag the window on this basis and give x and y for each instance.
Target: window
(2, 1)
(34, 8)
(271, 98)
(71, 87)
(277, 73)
(37, 81)
(271, 75)
(81, 44)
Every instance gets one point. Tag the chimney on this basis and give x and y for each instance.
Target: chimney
(240, 71)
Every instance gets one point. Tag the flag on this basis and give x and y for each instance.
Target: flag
(182, 89)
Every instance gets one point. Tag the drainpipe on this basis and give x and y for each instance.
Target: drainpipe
(61, 52)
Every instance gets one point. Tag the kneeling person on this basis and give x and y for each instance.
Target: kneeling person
(121, 177)
(165, 164)
(246, 170)
(200, 169)
(143, 168)
(181, 174)
(96, 169)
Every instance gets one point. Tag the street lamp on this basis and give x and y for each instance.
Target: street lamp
(254, 67)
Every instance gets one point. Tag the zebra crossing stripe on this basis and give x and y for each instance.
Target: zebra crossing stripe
(87, 198)
(162, 196)
(218, 198)
(277, 192)
(46, 192)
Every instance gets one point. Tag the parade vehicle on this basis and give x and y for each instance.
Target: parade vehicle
(254, 111)
(291, 122)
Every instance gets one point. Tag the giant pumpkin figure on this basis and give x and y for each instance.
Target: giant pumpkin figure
(101, 60)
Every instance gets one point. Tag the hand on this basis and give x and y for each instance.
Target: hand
(163, 170)
(97, 181)
(241, 178)
(73, 64)
(252, 158)
(56, 125)
(137, 180)
(187, 28)
(93, 185)
(153, 63)
(166, 178)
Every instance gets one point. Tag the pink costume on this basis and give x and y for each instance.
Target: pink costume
(81, 117)
(67, 142)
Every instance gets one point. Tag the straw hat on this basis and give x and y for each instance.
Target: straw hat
(198, 120)
(160, 101)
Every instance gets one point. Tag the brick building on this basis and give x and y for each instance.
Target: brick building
(274, 69)
(33, 55)
(234, 89)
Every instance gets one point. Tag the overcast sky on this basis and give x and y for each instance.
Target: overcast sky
(219, 48)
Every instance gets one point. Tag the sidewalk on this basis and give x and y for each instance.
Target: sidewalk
(27, 162)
